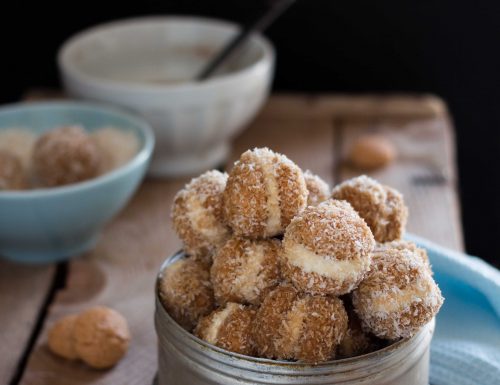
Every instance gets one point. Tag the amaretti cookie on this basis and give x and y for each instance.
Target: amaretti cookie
(101, 337)
(61, 339)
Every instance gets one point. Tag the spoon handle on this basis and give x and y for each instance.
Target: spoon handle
(264, 21)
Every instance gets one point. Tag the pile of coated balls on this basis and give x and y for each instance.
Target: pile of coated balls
(280, 267)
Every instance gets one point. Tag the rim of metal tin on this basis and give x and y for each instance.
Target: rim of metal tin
(345, 363)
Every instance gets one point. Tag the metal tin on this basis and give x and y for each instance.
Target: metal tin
(185, 359)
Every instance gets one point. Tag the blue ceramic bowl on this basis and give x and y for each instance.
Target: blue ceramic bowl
(47, 225)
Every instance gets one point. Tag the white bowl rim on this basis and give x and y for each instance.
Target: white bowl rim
(141, 156)
(67, 67)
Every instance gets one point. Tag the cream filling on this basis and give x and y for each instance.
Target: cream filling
(203, 221)
(217, 321)
(310, 262)
(247, 284)
(397, 300)
(273, 225)
(292, 326)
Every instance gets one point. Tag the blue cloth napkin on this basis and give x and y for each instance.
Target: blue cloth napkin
(465, 349)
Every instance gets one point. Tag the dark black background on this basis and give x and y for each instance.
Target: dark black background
(449, 48)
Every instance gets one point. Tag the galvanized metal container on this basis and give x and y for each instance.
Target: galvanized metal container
(185, 359)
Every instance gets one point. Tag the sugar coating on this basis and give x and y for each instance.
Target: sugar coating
(65, 155)
(297, 326)
(398, 296)
(61, 339)
(245, 270)
(197, 214)
(318, 189)
(101, 337)
(356, 341)
(186, 291)
(11, 172)
(380, 206)
(327, 249)
(229, 328)
(264, 191)
(402, 244)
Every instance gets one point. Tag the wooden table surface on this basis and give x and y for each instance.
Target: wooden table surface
(314, 131)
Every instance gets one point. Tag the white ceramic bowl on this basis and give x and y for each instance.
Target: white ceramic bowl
(146, 64)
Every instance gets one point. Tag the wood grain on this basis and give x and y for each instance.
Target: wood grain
(424, 172)
(119, 273)
(315, 132)
(306, 137)
(23, 290)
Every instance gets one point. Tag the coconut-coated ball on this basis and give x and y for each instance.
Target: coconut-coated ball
(197, 214)
(101, 337)
(264, 191)
(65, 155)
(186, 291)
(327, 249)
(11, 172)
(297, 326)
(382, 207)
(230, 328)
(61, 339)
(398, 296)
(318, 189)
(402, 244)
(244, 270)
(356, 341)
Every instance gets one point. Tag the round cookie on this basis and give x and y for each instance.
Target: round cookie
(101, 337)
(229, 328)
(11, 172)
(372, 151)
(401, 244)
(297, 326)
(197, 214)
(380, 206)
(264, 191)
(186, 291)
(319, 191)
(245, 270)
(327, 249)
(65, 155)
(356, 341)
(398, 296)
(61, 338)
